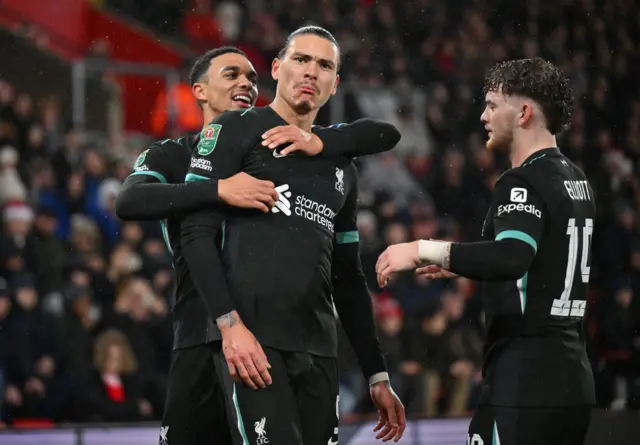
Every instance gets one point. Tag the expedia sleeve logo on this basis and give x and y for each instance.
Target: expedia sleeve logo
(518, 194)
(526, 208)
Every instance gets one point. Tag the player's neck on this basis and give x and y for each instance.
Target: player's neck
(304, 121)
(523, 149)
(208, 116)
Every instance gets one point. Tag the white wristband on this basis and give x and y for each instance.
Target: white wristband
(432, 252)
(379, 377)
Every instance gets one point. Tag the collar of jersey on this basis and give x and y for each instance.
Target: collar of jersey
(551, 151)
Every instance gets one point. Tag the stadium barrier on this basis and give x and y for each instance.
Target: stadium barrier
(607, 428)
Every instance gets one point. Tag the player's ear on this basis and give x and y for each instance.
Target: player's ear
(275, 68)
(198, 92)
(526, 114)
(335, 85)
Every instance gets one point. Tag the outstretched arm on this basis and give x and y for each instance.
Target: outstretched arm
(144, 197)
(153, 192)
(518, 217)
(363, 137)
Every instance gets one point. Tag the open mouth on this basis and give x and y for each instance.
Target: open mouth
(242, 100)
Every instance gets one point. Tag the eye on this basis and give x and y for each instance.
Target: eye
(325, 65)
(299, 59)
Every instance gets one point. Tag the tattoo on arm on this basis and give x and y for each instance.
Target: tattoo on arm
(228, 320)
(446, 261)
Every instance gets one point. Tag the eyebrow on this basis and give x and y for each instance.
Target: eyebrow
(236, 69)
(307, 57)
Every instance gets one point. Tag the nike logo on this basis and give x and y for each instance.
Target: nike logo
(278, 155)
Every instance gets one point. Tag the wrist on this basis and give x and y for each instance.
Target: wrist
(380, 377)
(228, 321)
(316, 142)
(221, 189)
(434, 252)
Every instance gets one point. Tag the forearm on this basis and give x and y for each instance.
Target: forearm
(360, 138)
(355, 309)
(201, 253)
(142, 201)
(502, 260)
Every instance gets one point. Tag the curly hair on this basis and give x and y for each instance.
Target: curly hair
(539, 80)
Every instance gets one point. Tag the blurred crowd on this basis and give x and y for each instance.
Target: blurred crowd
(85, 300)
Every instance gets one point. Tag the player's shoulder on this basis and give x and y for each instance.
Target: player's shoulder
(163, 153)
(514, 177)
(242, 116)
(169, 147)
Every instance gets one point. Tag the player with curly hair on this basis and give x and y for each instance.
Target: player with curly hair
(533, 261)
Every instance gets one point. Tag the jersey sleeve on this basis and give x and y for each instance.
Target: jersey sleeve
(219, 154)
(518, 216)
(350, 293)
(155, 162)
(518, 211)
(153, 190)
(360, 138)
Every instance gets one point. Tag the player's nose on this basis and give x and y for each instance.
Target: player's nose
(244, 82)
(311, 71)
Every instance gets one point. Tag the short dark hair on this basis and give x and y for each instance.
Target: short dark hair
(539, 80)
(313, 30)
(202, 64)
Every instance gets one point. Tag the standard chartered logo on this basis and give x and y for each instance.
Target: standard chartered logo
(283, 204)
(304, 207)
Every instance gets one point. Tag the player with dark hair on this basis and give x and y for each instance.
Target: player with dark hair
(221, 79)
(272, 286)
(534, 262)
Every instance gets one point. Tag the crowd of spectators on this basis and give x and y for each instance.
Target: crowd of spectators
(85, 324)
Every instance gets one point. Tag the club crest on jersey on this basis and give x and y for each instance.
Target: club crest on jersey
(209, 139)
(340, 180)
(140, 159)
(518, 194)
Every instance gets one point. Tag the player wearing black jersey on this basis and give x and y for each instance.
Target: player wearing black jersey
(270, 287)
(222, 78)
(534, 259)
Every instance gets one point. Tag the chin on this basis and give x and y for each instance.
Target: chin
(497, 145)
(304, 107)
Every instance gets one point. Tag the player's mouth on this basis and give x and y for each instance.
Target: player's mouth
(307, 90)
(242, 100)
